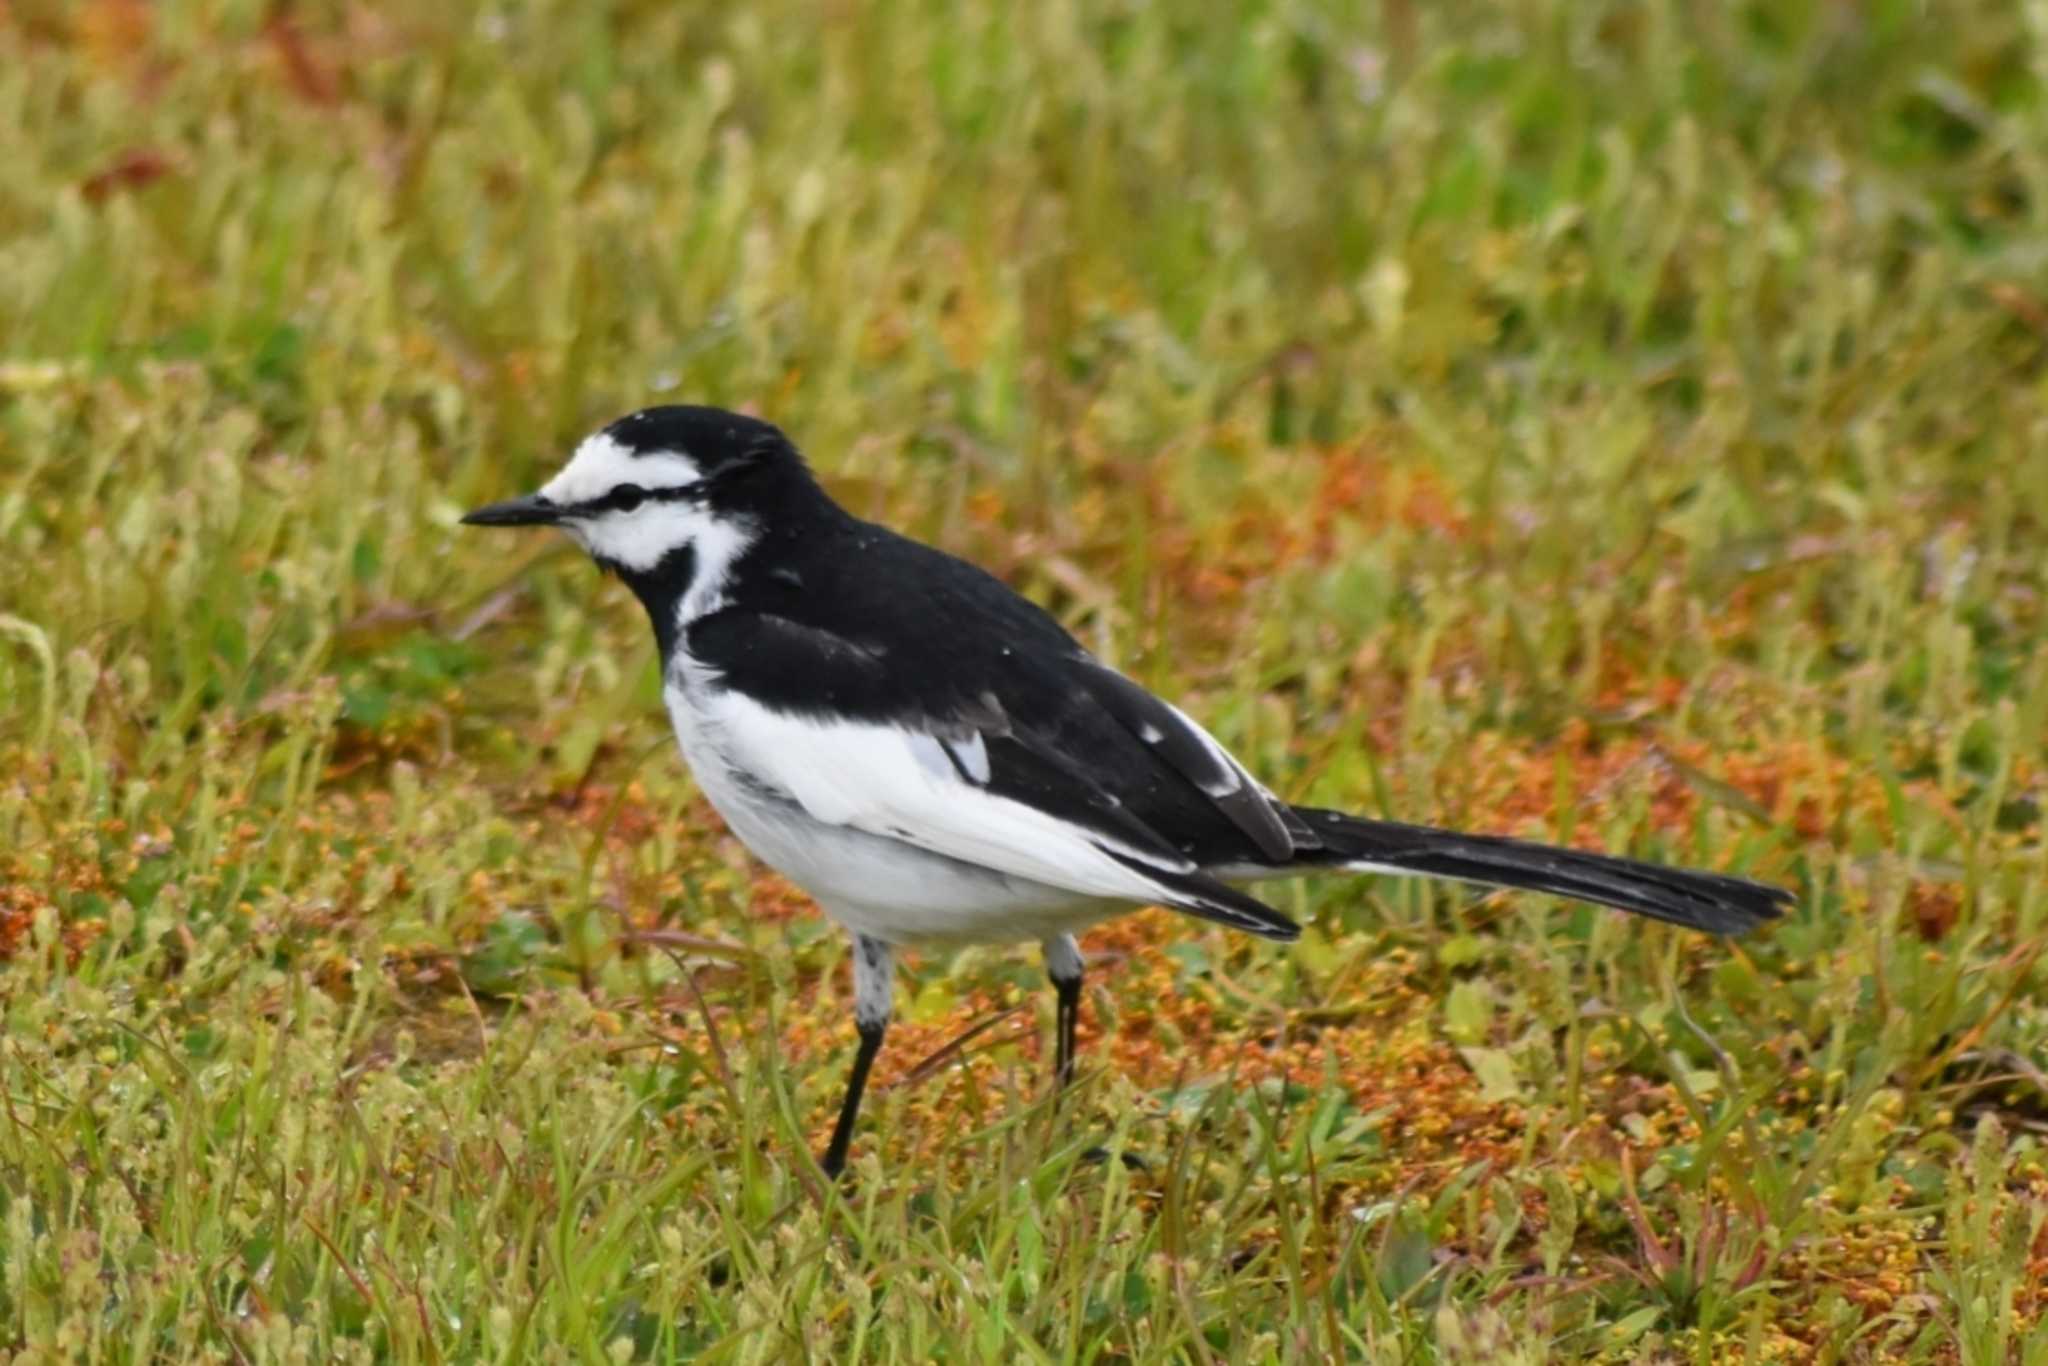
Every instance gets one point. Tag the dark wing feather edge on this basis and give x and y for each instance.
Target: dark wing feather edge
(1270, 824)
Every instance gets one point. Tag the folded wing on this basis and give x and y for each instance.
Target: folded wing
(973, 783)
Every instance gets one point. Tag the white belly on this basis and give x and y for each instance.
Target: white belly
(872, 884)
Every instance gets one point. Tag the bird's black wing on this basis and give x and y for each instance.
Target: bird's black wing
(947, 636)
(1185, 748)
(1006, 755)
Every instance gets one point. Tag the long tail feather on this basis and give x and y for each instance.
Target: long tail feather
(1703, 901)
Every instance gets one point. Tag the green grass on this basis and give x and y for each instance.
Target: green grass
(1621, 422)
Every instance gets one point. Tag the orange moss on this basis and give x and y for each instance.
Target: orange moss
(1432, 1115)
(1363, 483)
(775, 899)
(18, 907)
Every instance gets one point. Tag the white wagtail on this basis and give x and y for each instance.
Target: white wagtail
(934, 758)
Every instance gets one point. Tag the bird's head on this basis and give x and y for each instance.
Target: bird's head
(663, 487)
(669, 499)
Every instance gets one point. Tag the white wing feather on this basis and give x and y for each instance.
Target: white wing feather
(892, 782)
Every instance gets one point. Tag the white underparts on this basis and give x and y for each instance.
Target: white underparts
(874, 778)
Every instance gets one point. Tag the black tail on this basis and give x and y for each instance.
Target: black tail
(1700, 901)
(1198, 894)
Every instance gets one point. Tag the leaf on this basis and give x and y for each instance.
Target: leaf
(1737, 981)
(1495, 1070)
(1555, 1242)
(1313, 951)
(1634, 1326)
(1186, 1102)
(1462, 951)
(1468, 1012)
(367, 706)
(1405, 1260)
(511, 946)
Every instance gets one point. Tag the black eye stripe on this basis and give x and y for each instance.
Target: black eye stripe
(626, 497)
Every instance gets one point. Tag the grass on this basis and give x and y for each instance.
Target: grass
(1617, 422)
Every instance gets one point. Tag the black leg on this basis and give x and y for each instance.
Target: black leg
(834, 1161)
(872, 987)
(1063, 966)
(1069, 994)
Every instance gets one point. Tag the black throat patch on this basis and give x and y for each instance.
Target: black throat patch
(661, 591)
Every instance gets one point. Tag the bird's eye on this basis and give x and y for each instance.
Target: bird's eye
(626, 497)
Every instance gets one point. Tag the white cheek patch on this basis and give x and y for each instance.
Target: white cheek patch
(643, 538)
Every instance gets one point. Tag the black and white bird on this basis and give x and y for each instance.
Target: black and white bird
(934, 759)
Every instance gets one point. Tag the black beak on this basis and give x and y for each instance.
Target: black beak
(532, 510)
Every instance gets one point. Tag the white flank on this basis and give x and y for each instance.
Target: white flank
(872, 778)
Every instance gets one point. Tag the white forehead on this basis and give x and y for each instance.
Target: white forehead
(601, 464)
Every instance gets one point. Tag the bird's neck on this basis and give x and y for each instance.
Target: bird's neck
(661, 591)
(701, 576)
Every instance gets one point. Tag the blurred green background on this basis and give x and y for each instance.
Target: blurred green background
(1620, 422)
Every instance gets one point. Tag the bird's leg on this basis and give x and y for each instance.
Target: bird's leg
(872, 983)
(1063, 966)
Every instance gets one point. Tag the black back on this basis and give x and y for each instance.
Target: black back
(841, 618)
